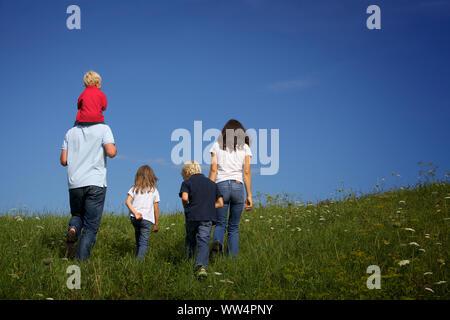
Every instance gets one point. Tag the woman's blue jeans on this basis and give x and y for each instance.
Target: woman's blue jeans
(141, 233)
(233, 200)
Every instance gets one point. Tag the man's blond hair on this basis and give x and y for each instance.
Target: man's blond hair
(92, 78)
(190, 168)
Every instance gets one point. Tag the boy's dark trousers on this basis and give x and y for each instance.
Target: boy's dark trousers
(198, 233)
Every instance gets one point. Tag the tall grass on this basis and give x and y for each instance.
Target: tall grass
(288, 250)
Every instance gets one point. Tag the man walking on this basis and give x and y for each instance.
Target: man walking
(84, 152)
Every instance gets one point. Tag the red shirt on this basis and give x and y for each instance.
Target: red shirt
(91, 104)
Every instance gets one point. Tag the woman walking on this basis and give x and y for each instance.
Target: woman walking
(230, 155)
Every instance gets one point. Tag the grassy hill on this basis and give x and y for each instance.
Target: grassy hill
(287, 251)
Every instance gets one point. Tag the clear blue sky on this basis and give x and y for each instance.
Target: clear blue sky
(351, 104)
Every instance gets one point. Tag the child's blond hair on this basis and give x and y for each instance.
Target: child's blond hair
(92, 78)
(190, 168)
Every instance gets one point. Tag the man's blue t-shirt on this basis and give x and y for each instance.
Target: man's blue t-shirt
(86, 156)
(203, 194)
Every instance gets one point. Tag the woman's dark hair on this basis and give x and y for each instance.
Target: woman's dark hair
(237, 131)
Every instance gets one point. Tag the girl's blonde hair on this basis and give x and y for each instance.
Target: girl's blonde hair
(190, 168)
(145, 180)
(91, 78)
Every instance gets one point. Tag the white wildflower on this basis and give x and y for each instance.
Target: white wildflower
(429, 273)
(13, 275)
(414, 244)
(247, 220)
(37, 218)
(322, 219)
(40, 227)
(217, 273)
(172, 224)
(438, 243)
(409, 229)
(403, 262)
(402, 202)
(261, 217)
(421, 249)
(440, 282)
(429, 289)
(49, 299)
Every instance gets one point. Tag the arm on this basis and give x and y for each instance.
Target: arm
(184, 199)
(137, 215)
(156, 209)
(248, 183)
(213, 169)
(219, 203)
(111, 150)
(63, 157)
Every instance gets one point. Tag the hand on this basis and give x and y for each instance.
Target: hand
(248, 203)
(155, 228)
(138, 216)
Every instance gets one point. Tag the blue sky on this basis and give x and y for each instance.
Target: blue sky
(352, 105)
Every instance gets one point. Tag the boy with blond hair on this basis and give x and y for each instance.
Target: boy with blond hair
(200, 197)
(92, 102)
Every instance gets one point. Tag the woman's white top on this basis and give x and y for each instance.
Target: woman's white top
(144, 203)
(230, 162)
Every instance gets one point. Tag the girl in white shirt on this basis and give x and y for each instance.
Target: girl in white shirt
(143, 203)
(230, 155)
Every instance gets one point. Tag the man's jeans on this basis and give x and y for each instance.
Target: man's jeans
(141, 233)
(86, 206)
(233, 199)
(198, 233)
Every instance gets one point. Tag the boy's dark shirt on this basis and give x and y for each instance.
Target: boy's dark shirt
(203, 194)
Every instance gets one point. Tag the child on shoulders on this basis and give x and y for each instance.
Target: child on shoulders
(92, 102)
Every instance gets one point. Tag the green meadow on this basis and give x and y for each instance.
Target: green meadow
(288, 250)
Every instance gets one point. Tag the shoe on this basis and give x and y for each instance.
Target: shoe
(216, 249)
(71, 238)
(202, 273)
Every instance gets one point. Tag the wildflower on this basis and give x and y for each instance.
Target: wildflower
(427, 236)
(428, 273)
(322, 219)
(40, 227)
(446, 218)
(13, 275)
(402, 202)
(226, 281)
(414, 244)
(421, 249)
(403, 262)
(429, 289)
(447, 198)
(49, 298)
(19, 219)
(247, 220)
(399, 211)
(409, 229)
(440, 282)
(167, 228)
(271, 228)
(438, 243)
(37, 218)
(386, 242)
(298, 229)
(261, 217)
(172, 224)
(217, 273)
